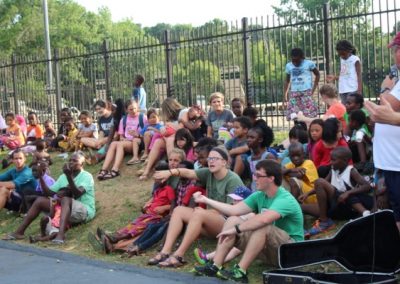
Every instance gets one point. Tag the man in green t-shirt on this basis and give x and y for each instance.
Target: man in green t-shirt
(75, 190)
(278, 220)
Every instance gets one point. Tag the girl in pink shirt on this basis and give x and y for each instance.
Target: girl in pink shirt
(184, 140)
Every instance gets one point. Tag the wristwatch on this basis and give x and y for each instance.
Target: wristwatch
(238, 231)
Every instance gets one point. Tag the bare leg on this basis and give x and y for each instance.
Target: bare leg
(254, 246)
(122, 148)
(66, 206)
(325, 191)
(203, 222)
(4, 195)
(311, 209)
(154, 155)
(146, 139)
(135, 149)
(233, 253)
(43, 224)
(169, 142)
(295, 190)
(358, 207)
(227, 244)
(110, 155)
(180, 216)
(41, 204)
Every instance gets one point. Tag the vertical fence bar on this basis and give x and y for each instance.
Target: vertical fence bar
(328, 39)
(14, 78)
(247, 62)
(107, 69)
(168, 61)
(58, 85)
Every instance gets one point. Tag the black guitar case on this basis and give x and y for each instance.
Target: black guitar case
(368, 247)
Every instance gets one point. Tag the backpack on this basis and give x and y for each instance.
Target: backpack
(141, 121)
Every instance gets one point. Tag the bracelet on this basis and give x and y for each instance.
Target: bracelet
(384, 90)
(238, 231)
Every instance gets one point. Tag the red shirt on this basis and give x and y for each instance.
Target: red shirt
(162, 196)
(322, 155)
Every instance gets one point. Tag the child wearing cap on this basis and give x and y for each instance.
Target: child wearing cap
(241, 193)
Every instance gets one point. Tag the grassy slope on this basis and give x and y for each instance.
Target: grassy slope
(117, 202)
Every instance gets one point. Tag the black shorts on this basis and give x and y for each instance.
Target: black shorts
(14, 203)
(344, 211)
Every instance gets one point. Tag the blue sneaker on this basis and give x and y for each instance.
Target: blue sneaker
(319, 227)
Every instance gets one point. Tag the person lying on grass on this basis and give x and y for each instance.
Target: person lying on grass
(75, 210)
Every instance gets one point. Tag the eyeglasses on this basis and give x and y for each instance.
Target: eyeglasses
(259, 176)
(212, 159)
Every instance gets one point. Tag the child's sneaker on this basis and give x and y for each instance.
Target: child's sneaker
(210, 270)
(200, 256)
(236, 274)
(319, 227)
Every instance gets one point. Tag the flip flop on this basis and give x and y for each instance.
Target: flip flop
(58, 242)
(12, 237)
(94, 242)
(133, 162)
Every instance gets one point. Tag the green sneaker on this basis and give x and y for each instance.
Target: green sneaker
(209, 269)
(200, 256)
(236, 274)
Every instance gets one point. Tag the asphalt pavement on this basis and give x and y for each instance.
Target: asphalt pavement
(27, 264)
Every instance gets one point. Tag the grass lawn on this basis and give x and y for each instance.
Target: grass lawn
(117, 202)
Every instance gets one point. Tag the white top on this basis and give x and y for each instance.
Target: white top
(386, 142)
(348, 75)
(340, 180)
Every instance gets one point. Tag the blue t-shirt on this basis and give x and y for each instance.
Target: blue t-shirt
(22, 179)
(139, 95)
(156, 126)
(300, 76)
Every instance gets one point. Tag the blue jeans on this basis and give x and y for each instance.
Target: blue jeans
(152, 235)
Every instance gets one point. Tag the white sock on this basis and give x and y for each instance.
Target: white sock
(366, 213)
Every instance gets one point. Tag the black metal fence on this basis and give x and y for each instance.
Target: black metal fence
(244, 59)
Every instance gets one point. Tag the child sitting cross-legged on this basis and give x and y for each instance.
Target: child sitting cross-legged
(300, 174)
(342, 194)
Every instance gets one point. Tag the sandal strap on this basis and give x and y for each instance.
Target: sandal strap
(178, 258)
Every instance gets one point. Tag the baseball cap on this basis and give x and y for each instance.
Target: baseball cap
(240, 193)
(395, 41)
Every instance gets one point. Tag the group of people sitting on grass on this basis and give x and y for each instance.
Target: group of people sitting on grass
(215, 175)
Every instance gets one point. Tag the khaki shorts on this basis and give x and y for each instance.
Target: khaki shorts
(78, 212)
(275, 238)
(50, 229)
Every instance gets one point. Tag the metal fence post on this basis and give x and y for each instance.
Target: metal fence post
(247, 63)
(327, 38)
(167, 35)
(14, 78)
(58, 85)
(107, 69)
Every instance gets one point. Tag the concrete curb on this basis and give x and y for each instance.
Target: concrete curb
(153, 273)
